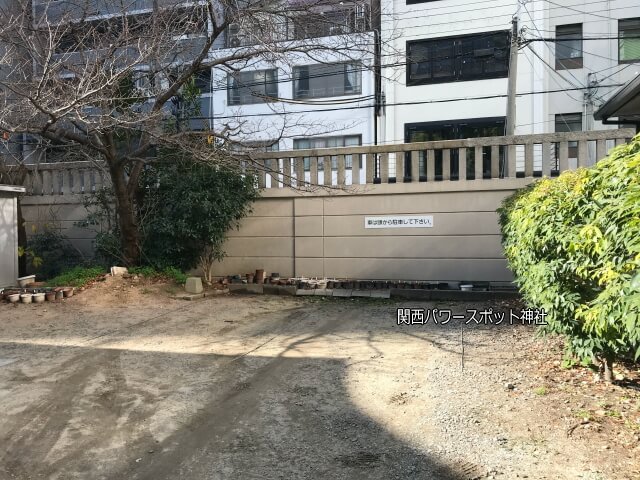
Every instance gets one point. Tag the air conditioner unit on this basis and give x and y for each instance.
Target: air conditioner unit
(338, 30)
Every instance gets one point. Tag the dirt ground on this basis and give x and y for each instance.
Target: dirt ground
(122, 382)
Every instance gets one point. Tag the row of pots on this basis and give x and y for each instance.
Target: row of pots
(37, 295)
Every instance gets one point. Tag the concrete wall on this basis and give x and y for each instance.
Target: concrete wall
(324, 235)
(8, 239)
(61, 212)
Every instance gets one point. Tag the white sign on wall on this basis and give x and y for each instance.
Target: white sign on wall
(399, 221)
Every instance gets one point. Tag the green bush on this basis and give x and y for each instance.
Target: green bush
(54, 252)
(76, 277)
(171, 273)
(573, 244)
(188, 209)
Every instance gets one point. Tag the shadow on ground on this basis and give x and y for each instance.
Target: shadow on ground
(114, 414)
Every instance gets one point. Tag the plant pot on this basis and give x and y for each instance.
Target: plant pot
(38, 298)
(50, 296)
(249, 277)
(13, 298)
(259, 276)
(24, 281)
(67, 292)
(26, 297)
(466, 287)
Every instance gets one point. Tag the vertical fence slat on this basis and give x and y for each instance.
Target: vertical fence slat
(298, 163)
(341, 177)
(431, 165)
(546, 159)
(261, 173)
(462, 163)
(528, 160)
(326, 169)
(583, 153)
(446, 164)
(415, 166)
(371, 163)
(400, 174)
(511, 161)
(384, 168)
(601, 149)
(274, 167)
(477, 162)
(620, 141)
(286, 172)
(495, 161)
(563, 156)
(313, 169)
(356, 159)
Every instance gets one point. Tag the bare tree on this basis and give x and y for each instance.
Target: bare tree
(107, 80)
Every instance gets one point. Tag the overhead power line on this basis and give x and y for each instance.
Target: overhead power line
(423, 102)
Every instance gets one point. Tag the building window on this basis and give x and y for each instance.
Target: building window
(568, 46)
(313, 81)
(252, 87)
(202, 81)
(452, 130)
(329, 142)
(468, 57)
(629, 48)
(569, 122)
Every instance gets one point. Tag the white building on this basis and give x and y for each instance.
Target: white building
(446, 75)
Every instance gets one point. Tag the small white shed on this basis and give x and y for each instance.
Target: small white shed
(9, 234)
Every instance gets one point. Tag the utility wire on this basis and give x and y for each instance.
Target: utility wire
(423, 102)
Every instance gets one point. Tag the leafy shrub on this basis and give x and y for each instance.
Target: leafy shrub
(77, 277)
(102, 219)
(171, 273)
(573, 244)
(53, 251)
(188, 209)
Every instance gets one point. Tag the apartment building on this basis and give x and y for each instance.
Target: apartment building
(448, 70)
(419, 70)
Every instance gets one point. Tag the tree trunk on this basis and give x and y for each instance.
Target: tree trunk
(607, 366)
(127, 222)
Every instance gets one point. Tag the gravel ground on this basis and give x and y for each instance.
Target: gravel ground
(122, 382)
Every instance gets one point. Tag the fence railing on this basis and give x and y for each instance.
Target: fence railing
(446, 160)
(471, 159)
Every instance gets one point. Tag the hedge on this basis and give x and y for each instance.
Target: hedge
(573, 243)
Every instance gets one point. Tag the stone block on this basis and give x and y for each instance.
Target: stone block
(381, 294)
(193, 285)
(115, 271)
(341, 292)
(361, 293)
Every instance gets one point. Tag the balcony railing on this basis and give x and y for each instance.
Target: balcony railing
(444, 162)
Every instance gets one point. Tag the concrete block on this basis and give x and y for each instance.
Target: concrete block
(254, 288)
(320, 292)
(271, 289)
(287, 290)
(341, 292)
(361, 293)
(193, 285)
(304, 293)
(118, 271)
(381, 294)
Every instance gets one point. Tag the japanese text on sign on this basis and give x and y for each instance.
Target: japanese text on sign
(399, 221)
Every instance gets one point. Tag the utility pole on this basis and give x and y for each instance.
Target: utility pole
(513, 74)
